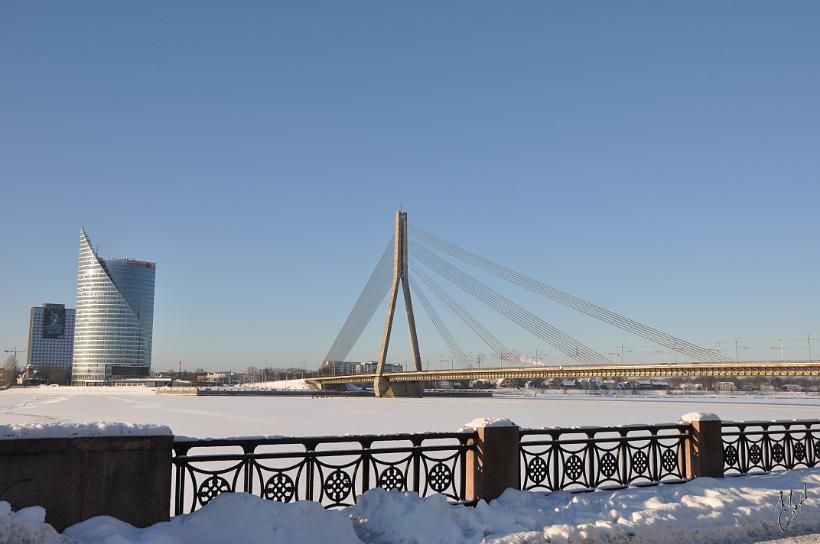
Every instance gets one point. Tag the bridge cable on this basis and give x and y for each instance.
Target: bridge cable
(527, 320)
(514, 313)
(588, 308)
(371, 297)
(492, 342)
(444, 332)
(361, 315)
(522, 317)
(535, 326)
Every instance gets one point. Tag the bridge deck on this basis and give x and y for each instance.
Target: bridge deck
(741, 368)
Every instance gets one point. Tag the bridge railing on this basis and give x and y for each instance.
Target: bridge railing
(603, 457)
(332, 470)
(766, 446)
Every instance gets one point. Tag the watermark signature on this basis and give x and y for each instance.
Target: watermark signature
(789, 507)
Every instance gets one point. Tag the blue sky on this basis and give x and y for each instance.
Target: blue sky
(660, 159)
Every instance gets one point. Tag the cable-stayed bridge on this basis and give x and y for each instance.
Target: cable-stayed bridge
(434, 257)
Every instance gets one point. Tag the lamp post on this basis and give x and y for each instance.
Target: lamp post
(738, 347)
(664, 354)
(621, 354)
(782, 358)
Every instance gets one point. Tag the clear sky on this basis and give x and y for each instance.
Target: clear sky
(661, 159)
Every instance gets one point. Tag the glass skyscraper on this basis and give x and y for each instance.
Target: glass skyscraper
(114, 318)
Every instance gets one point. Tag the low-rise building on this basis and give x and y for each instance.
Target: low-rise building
(691, 387)
(725, 387)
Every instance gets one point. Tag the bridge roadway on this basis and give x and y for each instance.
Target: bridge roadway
(657, 370)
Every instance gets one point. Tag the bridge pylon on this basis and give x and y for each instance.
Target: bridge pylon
(382, 386)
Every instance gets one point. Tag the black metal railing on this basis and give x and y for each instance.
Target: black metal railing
(333, 471)
(585, 458)
(766, 446)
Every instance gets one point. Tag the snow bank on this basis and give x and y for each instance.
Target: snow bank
(704, 510)
(233, 517)
(73, 430)
(281, 385)
(27, 526)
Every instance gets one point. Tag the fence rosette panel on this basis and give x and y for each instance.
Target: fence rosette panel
(596, 457)
(331, 470)
(765, 446)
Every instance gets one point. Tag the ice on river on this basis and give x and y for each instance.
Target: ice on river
(222, 416)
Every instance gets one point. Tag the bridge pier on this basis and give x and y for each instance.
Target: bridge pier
(384, 388)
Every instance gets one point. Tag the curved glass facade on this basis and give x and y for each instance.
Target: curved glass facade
(114, 319)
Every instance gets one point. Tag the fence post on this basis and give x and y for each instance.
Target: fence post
(704, 448)
(495, 463)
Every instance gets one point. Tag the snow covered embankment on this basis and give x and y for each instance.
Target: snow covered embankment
(281, 385)
(705, 510)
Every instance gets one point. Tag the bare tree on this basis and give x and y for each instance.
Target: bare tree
(10, 370)
(61, 376)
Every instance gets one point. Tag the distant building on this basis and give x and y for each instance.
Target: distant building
(689, 387)
(114, 319)
(338, 368)
(348, 368)
(50, 337)
(725, 387)
(370, 367)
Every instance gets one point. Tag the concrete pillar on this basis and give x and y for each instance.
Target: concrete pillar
(704, 450)
(495, 464)
(384, 388)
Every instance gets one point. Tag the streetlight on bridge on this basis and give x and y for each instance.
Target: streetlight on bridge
(782, 358)
(738, 347)
(621, 354)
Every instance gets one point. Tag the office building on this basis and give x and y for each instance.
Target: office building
(114, 318)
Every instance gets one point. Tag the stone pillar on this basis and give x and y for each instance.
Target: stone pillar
(703, 451)
(75, 478)
(495, 464)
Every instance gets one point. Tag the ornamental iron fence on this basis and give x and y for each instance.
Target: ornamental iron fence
(336, 470)
(585, 458)
(751, 447)
(331, 470)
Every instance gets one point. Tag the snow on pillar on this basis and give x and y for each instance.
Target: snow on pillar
(704, 449)
(494, 464)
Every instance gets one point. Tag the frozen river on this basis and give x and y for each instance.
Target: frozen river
(302, 416)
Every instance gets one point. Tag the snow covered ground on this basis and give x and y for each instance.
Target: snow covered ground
(281, 385)
(742, 509)
(304, 416)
